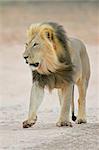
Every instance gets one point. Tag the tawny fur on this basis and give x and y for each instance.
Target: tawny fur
(63, 62)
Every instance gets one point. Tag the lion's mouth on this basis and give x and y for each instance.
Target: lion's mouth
(35, 64)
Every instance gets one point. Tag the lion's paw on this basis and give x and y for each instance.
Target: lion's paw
(29, 123)
(80, 121)
(65, 123)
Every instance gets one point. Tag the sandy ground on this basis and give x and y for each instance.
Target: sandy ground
(80, 20)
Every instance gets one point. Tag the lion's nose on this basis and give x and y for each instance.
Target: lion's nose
(25, 57)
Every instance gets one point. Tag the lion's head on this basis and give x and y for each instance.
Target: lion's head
(46, 48)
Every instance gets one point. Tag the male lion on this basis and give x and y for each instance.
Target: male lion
(58, 62)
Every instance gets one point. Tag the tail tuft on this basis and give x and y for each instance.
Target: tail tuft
(74, 117)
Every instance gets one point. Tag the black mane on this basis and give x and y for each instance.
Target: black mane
(62, 37)
(60, 33)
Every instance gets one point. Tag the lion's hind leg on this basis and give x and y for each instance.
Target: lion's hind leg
(82, 88)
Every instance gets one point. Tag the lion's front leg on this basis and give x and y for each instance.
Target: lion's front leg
(64, 118)
(36, 98)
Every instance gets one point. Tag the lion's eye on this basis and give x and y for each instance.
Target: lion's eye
(35, 44)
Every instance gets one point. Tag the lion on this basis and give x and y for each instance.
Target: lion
(56, 61)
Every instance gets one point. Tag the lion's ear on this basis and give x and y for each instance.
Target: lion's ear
(49, 35)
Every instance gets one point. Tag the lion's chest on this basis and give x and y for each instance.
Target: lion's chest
(50, 81)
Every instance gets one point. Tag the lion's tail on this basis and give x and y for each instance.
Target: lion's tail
(73, 114)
